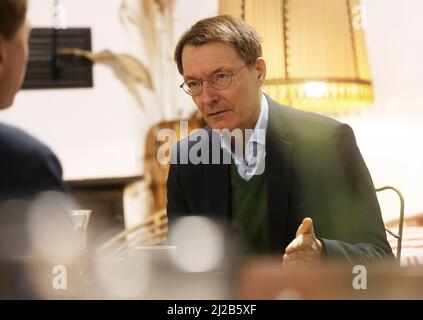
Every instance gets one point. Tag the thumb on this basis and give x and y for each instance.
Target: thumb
(306, 227)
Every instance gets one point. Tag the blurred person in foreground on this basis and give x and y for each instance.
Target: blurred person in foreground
(308, 197)
(27, 166)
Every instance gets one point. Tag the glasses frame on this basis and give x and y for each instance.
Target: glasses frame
(231, 75)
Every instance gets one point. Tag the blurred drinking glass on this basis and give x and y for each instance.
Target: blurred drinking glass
(80, 220)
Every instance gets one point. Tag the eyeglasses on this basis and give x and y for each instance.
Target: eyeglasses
(220, 81)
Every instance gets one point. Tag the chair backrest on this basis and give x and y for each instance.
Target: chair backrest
(398, 235)
(156, 172)
(150, 232)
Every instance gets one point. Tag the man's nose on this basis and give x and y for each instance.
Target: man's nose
(209, 94)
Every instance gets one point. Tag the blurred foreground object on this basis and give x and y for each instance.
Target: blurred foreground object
(133, 265)
(47, 260)
(150, 232)
(264, 278)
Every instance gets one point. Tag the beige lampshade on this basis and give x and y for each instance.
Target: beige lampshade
(314, 50)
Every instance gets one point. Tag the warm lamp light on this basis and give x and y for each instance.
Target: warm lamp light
(315, 51)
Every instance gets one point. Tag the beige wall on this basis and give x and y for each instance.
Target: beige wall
(390, 133)
(98, 132)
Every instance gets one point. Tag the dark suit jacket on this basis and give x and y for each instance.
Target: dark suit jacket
(314, 169)
(27, 167)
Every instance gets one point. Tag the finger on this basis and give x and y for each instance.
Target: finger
(294, 260)
(288, 261)
(291, 248)
(300, 228)
(303, 242)
(302, 254)
(306, 227)
(294, 245)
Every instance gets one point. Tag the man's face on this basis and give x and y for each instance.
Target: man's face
(13, 61)
(238, 106)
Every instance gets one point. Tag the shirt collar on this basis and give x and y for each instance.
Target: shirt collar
(260, 125)
(261, 122)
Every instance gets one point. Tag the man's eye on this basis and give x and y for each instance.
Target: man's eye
(221, 76)
(192, 84)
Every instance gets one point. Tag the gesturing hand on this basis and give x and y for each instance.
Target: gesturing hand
(305, 249)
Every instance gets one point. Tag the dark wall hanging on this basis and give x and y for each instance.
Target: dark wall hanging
(48, 69)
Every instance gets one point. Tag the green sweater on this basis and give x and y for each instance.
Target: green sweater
(249, 211)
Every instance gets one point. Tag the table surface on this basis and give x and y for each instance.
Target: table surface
(254, 278)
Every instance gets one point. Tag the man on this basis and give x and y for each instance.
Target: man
(314, 198)
(27, 166)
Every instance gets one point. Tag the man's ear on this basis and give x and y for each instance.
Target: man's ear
(261, 70)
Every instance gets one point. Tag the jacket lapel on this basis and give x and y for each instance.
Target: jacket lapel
(217, 185)
(278, 171)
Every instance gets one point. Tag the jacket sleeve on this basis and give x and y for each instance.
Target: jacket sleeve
(176, 201)
(358, 230)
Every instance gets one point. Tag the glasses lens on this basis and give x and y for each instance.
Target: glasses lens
(192, 87)
(221, 81)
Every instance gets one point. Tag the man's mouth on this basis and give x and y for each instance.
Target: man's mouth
(217, 113)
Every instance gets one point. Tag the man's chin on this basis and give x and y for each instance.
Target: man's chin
(221, 125)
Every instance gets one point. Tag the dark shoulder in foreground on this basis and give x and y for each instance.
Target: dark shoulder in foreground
(26, 164)
(16, 142)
